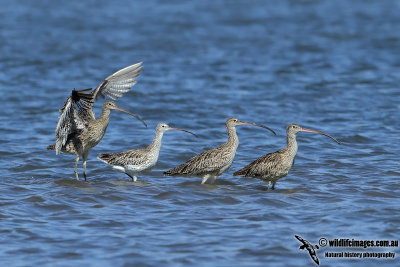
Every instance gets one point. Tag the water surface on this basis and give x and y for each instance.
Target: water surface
(327, 65)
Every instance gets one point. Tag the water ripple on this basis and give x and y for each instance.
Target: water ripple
(204, 61)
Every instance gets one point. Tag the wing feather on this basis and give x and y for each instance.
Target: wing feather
(65, 124)
(207, 162)
(117, 84)
(131, 157)
(77, 110)
(69, 122)
(267, 166)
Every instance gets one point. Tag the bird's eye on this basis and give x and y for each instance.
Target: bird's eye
(293, 126)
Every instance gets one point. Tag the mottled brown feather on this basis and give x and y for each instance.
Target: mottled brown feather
(130, 157)
(210, 161)
(268, 167)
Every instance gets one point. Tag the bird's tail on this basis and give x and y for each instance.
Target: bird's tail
(171, 172)
(185, 169)
(168, 173)
(182, 169)
(69, 148)
(51, 147)
(242, 172)
(104, 157)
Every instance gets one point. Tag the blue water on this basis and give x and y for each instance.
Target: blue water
(333, 66)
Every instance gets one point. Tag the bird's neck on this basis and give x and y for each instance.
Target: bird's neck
(157, 141)
(104, 117)
(233, 139)
(291, 144)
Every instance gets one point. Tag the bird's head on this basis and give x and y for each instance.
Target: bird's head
(163, 127)
(293, 129)
(110, 105)
(233, 122)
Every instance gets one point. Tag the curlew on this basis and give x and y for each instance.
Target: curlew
(77, 129)
(212, 163)
(135, 161)
(274, 166)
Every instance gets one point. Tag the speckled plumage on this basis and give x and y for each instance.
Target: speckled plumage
(212, 163)
(276, 165)
(134, 161)
(78, 130)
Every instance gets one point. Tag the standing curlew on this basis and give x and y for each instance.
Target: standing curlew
(77, 129)
(212, 163)
(134, 161)
(273, 166)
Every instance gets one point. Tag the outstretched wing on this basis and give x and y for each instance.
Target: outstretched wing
(305, 242)
(114, 86)
(313, 255)
(77, 110)
(309, 247)
(117, 84)
(69, 122)
(301, 239)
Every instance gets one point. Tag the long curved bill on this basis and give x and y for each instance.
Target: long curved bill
(318, 132)
(178, 129)
(258, 125)
(134, 115)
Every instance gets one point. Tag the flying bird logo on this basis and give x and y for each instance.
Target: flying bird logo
(311, 249)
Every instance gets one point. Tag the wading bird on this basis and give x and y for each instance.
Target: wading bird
(135, 161)
(77, 129)
(212, 163)
(274, 166)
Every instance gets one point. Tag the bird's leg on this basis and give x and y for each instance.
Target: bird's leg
(213, 178)
(133, 177)
(205, 178)
(273, 185)
(85, 155)
(269, 184)
(76, 167)
(84, 169)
